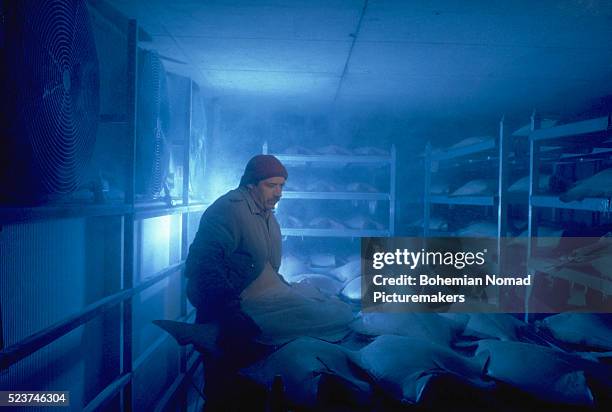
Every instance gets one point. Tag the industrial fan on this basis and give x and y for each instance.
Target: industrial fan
(197, 145)
(153, 116)
(50, 89)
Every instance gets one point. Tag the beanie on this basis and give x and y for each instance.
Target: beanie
(262, 167)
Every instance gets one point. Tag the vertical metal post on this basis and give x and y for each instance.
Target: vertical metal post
(127, 398)
(392, 171)
(534, 178)
(185, 226)
(427, 190)
(502, 201)
(187, 144)
(534, 175)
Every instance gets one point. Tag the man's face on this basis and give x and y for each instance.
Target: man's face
(270, 191)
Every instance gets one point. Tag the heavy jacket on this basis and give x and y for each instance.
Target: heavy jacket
(234, 241)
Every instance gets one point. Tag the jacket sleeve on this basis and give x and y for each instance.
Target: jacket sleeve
(209, 286)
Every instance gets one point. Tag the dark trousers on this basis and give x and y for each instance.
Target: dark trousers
(224, 388)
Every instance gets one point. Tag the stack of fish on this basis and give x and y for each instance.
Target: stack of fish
(562, 361)
(412, 355)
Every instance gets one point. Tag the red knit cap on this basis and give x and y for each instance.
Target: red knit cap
(262, 167)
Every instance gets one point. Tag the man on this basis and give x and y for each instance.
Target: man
(237, 236)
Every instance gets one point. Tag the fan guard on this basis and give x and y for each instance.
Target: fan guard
(51, 86)
(152, 149)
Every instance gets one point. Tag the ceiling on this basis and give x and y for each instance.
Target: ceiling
(431, 56)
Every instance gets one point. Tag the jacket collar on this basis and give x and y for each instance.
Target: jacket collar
(254, 207)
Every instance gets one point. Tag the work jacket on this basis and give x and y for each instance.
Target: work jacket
(234, 241)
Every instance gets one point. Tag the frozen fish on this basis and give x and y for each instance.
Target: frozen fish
(404, 367)
(500, 326)
(429, 326)
(352, 290)
(348, 271)
(323, 283)
(538, 370)
(292, 265)
(361, 222)
(590, 330)
(303, 365)
(522, 185)
(476, 187)
(321, 186)
(480, 229)
(325, 223)
(290, 222)
(435, 223)
(202, 336)
(526, 129)
(598, 185)
(326, 260)
(469, 141)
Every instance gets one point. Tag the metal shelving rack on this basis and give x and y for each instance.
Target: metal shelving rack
(571, 139)
(129, 212)
(488, 149)
(569, 136)
(343, 159)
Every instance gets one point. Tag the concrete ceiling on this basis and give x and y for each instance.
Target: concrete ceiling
(431, 56)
